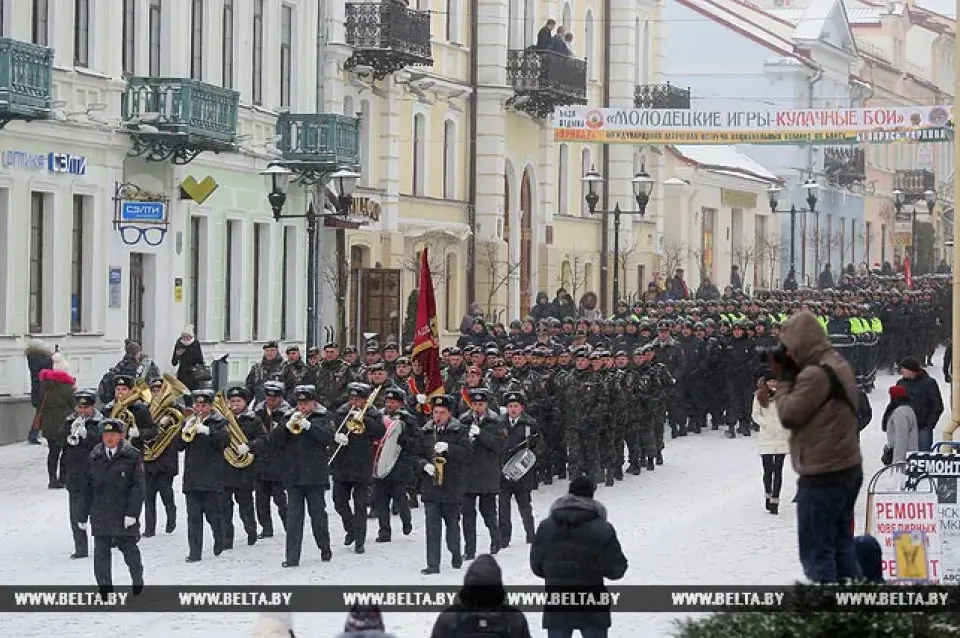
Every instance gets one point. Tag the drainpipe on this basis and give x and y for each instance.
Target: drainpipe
(605, 167)
(472, 195)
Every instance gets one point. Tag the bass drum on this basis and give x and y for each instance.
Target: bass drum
(387, 449)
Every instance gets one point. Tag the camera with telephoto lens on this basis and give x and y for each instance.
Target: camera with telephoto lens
(777, 353)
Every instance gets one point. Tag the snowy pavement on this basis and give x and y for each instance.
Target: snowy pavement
(699, 519)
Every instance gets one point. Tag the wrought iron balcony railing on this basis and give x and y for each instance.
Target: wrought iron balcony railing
(544, 80)
(318, 142)
(914, 183)
(184, 106)
(660, 96)
(844, 166)
(387, 36)
(26, 81)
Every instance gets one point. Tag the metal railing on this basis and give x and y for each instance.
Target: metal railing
(184, 105)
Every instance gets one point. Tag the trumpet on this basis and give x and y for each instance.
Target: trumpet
(295, 423)
(189, 431)
(354, 421)
(74, 437)
(438, 463)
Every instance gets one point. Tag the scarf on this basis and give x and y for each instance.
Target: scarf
(893, 405)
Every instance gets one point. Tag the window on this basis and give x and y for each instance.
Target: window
(196, 41)
(81, 32)
(76, 264)
(36, 261)
(41, 22)
(261, 239)
(286, 53)
(129, 36)
(3, 30)
(195, 230)
(419, 153)
(288, 272)
(226, 54)
(228, 328)
(453, 23)
(585, 164)
(450, 293)
(449, 160)
(563, 180)
(154, 24)
(257, 86)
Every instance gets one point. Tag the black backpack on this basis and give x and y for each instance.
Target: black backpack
(863, 411)
(482, 625)
(107, 386)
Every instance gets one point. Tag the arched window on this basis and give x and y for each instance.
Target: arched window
(419, 154)
(567, 16)
(588, 38)
(348, 109)
(563, 180)
(366, 167)
(449, 160)
(585, 163)
(451, 295)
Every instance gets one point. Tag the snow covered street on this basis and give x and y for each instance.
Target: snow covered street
(699, 519)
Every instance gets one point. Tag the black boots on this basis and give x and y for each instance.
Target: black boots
(650, 463)
(608, 479)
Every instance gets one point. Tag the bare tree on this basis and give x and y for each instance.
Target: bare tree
(743, 254)
(629, 246)
(673, 256)
(498, 271)
(574, 277)
(770, 252)
(437, 243)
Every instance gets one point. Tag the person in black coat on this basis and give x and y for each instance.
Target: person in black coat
(112, 498)
(80, 433)
(392, 488)
(273, 412)
(187, 355)
(302, 450)
(523, 432)
(488, 435)
(481, 609)
(144, 429)
(39, 358)
(575, 547)
(203, 472)
(239, 482)
(160, 473)
(353, 465)
(925, 399)
(545, 35)
(448, 441)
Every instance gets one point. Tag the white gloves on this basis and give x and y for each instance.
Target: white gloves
(165, 421)
(354, 414)
(440, 447)
(306, 424)
(341, 439)
(421, 399)
(430, 469)
(242, 449)
(503, 410)
(83, 525)
(474, 430)
(129, 521)
(203, 429)
(81, 434)
(133, 433)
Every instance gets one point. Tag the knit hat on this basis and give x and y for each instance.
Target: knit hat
(60, 362)
(911, 363)
(187, 332)
(898, 392)
(582, 486)
(364, 618)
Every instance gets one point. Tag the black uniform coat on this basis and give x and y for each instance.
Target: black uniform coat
(413, 454)
(303, 457)
(113, 490)
(354, 463)
(575, 547)
(245, 478)
(76, 458)
(456, 436)
(525, 434)
(483, 468)
(268, 465)
(203, 458)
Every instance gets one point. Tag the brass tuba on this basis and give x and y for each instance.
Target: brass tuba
(354, 420)
(237, 437)
(167, 418)
(121, 408)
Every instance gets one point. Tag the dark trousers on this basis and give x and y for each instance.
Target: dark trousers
(596, 632)
(244, 498)
(354, 520)
(103, 559)
(202, 505)
(54, 461)
(437, 515)
(302, 499)
(385, 494)
(265, 491)
(825, 529)
(772, 475)
(925, 439)
(81, 545)
(488, 510)
(522, 496)
(161, 484)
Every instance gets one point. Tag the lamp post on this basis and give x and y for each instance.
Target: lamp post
(642, 188)
(344, 180)
(773, 195)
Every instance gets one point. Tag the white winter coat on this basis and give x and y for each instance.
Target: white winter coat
(773, 438)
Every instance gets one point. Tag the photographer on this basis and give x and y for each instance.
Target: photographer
(817, 401)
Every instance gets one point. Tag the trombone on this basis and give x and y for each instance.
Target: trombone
(354, 421)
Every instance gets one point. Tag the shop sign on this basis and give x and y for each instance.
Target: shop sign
(365, 207)
(733, 198)
(63, 163)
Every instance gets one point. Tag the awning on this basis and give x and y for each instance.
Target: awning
(420, 227)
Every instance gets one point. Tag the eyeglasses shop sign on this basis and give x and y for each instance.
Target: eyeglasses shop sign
(63, 163)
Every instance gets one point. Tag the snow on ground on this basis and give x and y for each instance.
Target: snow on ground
(699, 519)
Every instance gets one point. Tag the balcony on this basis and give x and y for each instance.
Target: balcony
(316, 144)
(544, 80)
(914, 183)
(845, 167)
(179, 118)
(26, 81)
(387, 37)
(660, 96)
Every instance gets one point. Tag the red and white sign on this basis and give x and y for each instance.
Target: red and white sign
(905, 512)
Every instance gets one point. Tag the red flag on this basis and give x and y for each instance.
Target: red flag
(907, 272)
(426, 342)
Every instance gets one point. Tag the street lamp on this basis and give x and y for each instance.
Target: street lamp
(773, 195)
(642, 188)
(278, 177)
(899, 199)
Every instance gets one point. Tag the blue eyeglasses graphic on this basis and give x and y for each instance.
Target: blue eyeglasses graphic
(150, 235)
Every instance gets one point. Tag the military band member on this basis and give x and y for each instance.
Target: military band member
(159, 474)
(143, 428)
(239, 482)
(79, 434)
(473, 379)
(353, 465)
(448, 441)
(522, 432)
(203, 472)
(482, 475)
(112, 499)
(378, 378)
(302, 450)
(392, 489)
(273, 413)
